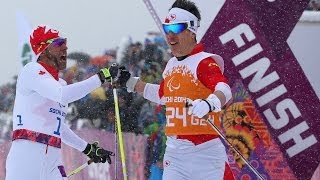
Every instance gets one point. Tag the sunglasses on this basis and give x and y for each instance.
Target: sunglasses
(57, 42)
(177, 28)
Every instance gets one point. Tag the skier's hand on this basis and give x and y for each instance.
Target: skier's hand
(98, 154)
(123, 77)
(109, 74)
(201, 107)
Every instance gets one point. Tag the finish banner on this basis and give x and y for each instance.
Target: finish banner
(274, 117)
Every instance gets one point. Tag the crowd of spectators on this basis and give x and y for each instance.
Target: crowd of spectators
(314, 5)
(7, 93)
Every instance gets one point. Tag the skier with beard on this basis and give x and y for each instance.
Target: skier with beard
(40, 109)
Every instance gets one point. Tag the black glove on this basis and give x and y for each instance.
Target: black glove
(123, 78)
(97, 154)
(108, 74)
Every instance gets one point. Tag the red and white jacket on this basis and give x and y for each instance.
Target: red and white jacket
(194, 77)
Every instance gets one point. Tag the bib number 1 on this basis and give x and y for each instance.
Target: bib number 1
(20, 121)
(57, 132)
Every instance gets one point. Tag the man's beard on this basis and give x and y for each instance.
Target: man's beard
(54, 59)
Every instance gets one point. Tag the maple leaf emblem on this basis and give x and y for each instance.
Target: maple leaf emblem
(41, 72)
(172, 17)
(213, 64)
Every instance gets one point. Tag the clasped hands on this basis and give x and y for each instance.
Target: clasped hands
(115, 74)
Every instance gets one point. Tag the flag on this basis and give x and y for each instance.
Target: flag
(24, 28)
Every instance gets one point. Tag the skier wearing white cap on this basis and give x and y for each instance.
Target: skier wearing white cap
(194, 150)
(40, 109)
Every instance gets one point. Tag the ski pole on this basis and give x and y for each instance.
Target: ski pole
(122, 153)
(78, 169)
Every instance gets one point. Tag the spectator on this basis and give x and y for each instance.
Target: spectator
(314, 5)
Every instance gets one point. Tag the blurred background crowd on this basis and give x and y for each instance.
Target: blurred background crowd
(314, 5)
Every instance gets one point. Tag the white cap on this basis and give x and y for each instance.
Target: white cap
(177, 15)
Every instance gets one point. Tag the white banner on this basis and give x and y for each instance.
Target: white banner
(24, 30)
